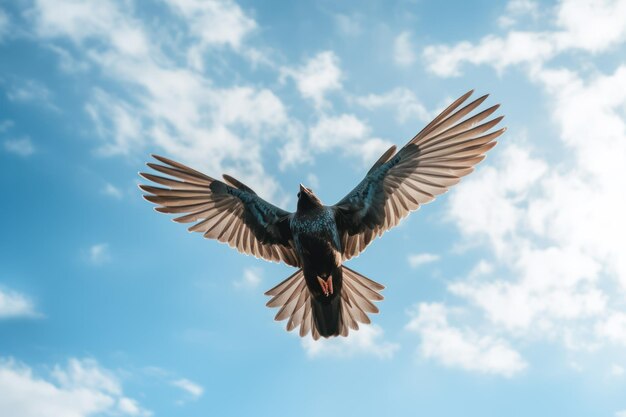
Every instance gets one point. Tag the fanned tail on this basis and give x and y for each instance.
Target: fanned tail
(296, 304)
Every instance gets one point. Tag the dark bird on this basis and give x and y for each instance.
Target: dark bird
(324, 296)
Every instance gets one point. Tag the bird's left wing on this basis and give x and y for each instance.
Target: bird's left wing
(398, 183)
(229, 211)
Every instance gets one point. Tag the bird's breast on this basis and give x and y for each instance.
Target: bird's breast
(315, 223)
(315, 234)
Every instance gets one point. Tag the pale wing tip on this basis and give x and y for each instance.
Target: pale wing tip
(160, 158)
(466, 95)
(482, 98)
(144, 175)
(144, 187)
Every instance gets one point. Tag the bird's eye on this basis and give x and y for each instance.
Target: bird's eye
(298, 194)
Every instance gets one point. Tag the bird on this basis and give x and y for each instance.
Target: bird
(324, 297)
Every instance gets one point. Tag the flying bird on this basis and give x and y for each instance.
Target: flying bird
(324, 297)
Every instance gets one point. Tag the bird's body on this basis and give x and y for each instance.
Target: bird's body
(317, 243)
(325, 297)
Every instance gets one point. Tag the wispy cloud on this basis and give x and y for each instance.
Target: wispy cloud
(20, 146)
(29, 90)
(616, 370)
(462, 348)
(15, 305)
(81, 388)
(112, 191)
(368, 340)
(555, 260)
(6, 125)
(407, 106)
(347, 133)
(320, 75)
(403, 50)
(99, 254)
(193, 390)
(517, 10)
(574, 23)
(348, 24)
(213, 24)
(419, 259)
(250, 280)
(4, 24)
(239, 119)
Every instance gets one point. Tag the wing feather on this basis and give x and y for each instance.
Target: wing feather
(435, 159)
(230, 212)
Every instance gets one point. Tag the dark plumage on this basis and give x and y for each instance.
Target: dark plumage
(324, 296)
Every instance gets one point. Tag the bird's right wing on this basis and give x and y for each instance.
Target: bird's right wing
(232, 214)
(447, 149)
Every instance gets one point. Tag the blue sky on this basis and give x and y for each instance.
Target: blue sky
(504, 296)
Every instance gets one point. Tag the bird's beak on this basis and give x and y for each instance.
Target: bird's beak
(303, 189)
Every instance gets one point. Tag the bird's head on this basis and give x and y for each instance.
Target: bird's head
(306, 199)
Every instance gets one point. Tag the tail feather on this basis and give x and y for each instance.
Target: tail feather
(335, 317)
(327, 315)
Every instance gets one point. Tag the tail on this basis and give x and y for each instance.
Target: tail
(326, 312)
(335, 317)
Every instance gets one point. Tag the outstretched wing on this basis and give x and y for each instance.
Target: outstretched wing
(230, 212)
(398, 183)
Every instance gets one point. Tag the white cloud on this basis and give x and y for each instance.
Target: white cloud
(194, 390)
(80, 21)
(487, 203)
(620, 413)
(128, 406)
(213, 129)
(552, 228)
(112, 191)
(405, 102)
(403, 50)
(347, 133)
(462, 348)
(312, 181)
(4, 24)
(579, 25)
(342, 131)
(318, 76)
(349, 25)
(251, 279)
(368, 340)
(99, 254)
(560, 252)
(20, 146)
(418, 259)
(80, 389)
(15, 305)
(616, 370)
(518, 9)
(215, 22)
(6, 125)
(613, 328)
(28, 90)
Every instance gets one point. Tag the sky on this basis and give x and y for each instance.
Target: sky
(505, 296)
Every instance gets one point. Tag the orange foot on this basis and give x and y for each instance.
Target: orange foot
(327, 285)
